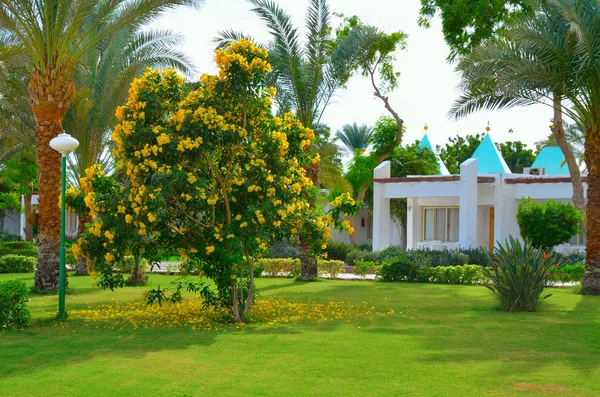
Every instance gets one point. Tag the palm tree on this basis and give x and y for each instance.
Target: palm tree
(354, 137)
(102, 81)
(306, 75)
(551, 58)
(56, 35)
(576, 140)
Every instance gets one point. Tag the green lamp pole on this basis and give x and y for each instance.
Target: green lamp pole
(64, 144)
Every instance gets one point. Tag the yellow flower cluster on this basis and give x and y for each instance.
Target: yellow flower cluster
(243, 54)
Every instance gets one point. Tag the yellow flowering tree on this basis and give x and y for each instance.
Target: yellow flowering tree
(213, 173)
(111, 235)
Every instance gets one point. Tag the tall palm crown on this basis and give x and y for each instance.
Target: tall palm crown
(56, 34)
(102, 80)
(354, 137)
(552, 58)
(307, 74)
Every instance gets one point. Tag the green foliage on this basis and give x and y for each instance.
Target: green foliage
(468, 23)
(354, 137)
(516, 155)
(357, 255)
(462, 274)
(14, 313)
(548, 225)
(276, 267)
(569, 273)
(360, 170)
(375, 51)
(518, 273)
(361, 268)
(284, 248)
(399, 268)
(458, 150)
(5, 237)
(383, 138)
(24, 248)
(331, 267)
(339, 250)
(14, 263)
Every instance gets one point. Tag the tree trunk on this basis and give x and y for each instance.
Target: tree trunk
(50, 95)
(360, 195)
(81, 267)
(591, 278)
(308, 263)
(28, 227)
(565, 147)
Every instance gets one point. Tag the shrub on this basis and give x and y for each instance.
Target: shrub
(32, 252)
(366, 245)
(569, 273)
(338, 250)
(9, 237)
(17, 264)
(390, 252)
(462, 274)
(477, 256)
(518, 274)
(548, 225)
(361, 268)
(274, 267)
(399, 268)
(331, 267)
(353, 256)
(284, 249)
(17, 245)
(13, 305)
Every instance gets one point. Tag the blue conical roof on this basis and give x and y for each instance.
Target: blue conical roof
(424, 143)
(490, 161)
(553, 160)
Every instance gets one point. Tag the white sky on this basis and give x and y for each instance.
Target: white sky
(427, 86)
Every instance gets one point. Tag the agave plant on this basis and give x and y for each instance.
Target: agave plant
(518, 273)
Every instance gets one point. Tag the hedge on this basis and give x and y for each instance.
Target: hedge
(13, 305)
(275, 267)
(331, 267)
(17, 264)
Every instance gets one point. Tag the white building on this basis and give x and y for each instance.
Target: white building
(14, 221)
(474, 209)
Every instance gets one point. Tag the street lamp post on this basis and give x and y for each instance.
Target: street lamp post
(64, 144)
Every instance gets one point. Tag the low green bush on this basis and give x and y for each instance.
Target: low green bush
(17, 264)
(338, 250)
(9, 237)
(331, 267)
(13, 305)
(463, 274)
(284, 249)
(358, 255)
(518, 273)
(366, 245)
(275, 267)
(399, 268)
(361, 268)
(17, 245)
(569, 273)
(32, 252)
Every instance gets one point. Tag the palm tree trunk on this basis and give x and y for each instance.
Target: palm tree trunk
(50, 95)
(565, 147)
(308, 262)
(591, 279)
(28, 227)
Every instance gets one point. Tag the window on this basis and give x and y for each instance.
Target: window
(440, 223)
(578, 239)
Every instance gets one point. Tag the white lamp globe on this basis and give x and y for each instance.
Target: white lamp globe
(64, 143)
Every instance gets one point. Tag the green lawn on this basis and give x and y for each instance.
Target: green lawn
(440, 340)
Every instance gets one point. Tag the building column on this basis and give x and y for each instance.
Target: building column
(505, 210)
(381, 209)
(412, 217)
(467, 226)
(23, 219)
